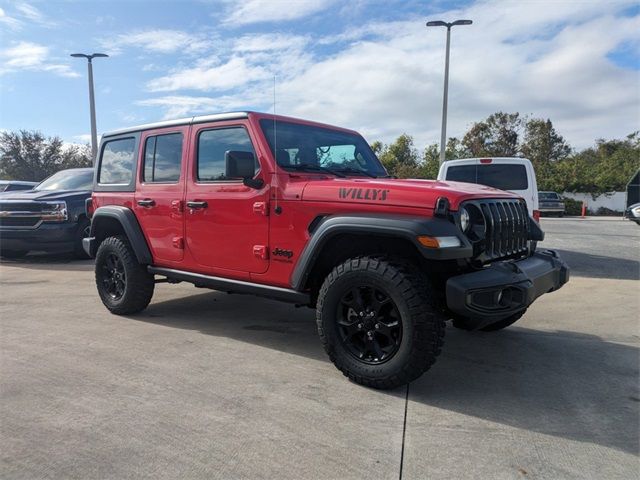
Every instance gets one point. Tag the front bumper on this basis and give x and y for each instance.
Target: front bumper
(505, 288)
(551, 209)
(48, 237)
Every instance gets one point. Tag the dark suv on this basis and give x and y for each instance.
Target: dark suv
(49, 218)
(305, 213)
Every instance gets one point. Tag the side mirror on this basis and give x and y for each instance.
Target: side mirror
(239, 164)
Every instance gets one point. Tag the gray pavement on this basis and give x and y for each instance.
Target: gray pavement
(209, 385)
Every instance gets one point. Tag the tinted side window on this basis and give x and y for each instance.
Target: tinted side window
(212, 146)
(163, 158)
(497, 175)
(116, 166)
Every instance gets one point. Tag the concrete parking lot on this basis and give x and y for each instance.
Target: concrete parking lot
(208, 385)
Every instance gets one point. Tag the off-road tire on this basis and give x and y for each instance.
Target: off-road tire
(81, 232)
(462, 324)
(139, 283)
(423, 325)
(13, 254)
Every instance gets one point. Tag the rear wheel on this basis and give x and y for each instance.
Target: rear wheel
(124, 285)
(378, 322)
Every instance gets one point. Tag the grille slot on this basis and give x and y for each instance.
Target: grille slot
(10, 206)
(507, 229)
(24, 222)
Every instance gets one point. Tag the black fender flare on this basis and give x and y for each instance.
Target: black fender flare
(405, 227)
(127, 219)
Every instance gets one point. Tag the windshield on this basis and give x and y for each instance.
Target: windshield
(503, 176)
(304, 147)
(68, 180)
(548, 196)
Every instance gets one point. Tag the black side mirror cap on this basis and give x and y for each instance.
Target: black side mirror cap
(256, 183)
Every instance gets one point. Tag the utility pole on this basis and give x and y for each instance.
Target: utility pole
(445, 99)
(92, 102)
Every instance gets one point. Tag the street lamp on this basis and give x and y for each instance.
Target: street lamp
(92, 102)
(440, 23)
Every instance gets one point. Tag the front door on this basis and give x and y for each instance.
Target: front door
(159, 198)
(226, 222)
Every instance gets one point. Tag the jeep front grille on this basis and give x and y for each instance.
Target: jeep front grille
(506, 229)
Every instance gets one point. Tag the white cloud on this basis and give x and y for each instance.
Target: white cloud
(157, 41)
(9, 22)
(234, 73)
(258, 11)
(83, 139)
(32, 14)
(269, 41)
(33, 57)
(180, 106)
(386, 78)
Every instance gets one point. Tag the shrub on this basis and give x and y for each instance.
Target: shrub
(572, 207)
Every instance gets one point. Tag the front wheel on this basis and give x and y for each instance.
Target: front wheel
(83, 230)
(378, 322)
(124, 285)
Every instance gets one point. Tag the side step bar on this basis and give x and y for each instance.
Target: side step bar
(234, 286)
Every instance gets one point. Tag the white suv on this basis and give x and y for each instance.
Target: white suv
(514, 175)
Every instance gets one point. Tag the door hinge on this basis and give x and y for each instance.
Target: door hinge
(261, 208)
(261, 251)
(178, 242)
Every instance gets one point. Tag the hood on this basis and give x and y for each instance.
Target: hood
(402, 193)
(45, 195)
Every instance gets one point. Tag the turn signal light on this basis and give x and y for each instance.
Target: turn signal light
(439, 242)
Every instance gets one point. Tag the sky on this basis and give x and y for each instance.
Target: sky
(372, 66)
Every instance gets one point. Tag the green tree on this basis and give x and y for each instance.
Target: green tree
(544, 146)
(431, 156)
(29, 156)
(400, 157)
(496, 136)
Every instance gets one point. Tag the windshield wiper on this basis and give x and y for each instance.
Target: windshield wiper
(355, 170)
(318, 168)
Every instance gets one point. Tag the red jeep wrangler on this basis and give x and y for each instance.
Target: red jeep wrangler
(305, 213)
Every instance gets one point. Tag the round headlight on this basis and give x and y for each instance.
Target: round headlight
(465, 220)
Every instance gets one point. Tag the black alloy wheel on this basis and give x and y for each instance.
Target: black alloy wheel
(124, 284)
(370, 325)
(113, 276)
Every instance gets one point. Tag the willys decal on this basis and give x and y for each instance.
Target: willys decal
(364, 194)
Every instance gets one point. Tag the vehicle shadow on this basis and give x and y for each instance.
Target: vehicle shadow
(50, 261)
(565, 384)
(600, 266)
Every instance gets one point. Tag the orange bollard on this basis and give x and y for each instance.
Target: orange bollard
(584, 209)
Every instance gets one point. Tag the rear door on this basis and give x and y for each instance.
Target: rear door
(159, 198)
(514, 176)
(227, 223)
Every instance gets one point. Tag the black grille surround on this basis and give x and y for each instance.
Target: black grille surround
(506, 231)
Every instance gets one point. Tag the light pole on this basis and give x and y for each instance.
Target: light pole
(440, 23)
(92, 102)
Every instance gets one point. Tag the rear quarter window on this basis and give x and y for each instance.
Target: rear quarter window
(503, 176)
(117, 162)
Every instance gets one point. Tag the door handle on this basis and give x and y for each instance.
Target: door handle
(147, 202)
(197, 204)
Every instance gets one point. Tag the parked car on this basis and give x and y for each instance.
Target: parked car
(50, 218)
(505, 173)
(633, 213)
(13, 185)
(305, 213)
(551, 204)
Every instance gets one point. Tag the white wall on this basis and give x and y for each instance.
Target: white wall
(612, 201)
